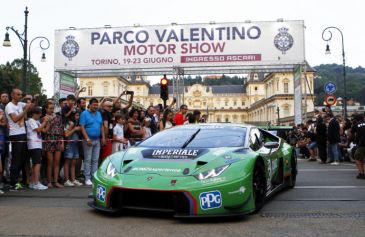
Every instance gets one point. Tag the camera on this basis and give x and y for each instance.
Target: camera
(130, 92)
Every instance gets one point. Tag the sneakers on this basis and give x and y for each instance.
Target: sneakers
(39, 186)
(88, 182)
(1, 191)
(16, 187)
(68, 183)
(360, 176)
(335, 163)
(1, 185)
(77, 183)
(31, 186)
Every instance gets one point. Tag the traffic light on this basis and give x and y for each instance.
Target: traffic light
(164, 88)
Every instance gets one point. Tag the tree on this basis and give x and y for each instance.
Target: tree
(11, 77)
(355, 79)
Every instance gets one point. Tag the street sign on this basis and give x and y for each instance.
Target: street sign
(330, 100)
(330, 88)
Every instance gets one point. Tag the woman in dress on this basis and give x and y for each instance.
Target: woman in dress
(53, 145)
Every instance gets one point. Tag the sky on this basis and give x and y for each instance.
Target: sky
(45, 16)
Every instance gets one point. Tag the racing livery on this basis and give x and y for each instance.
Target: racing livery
(196, 171)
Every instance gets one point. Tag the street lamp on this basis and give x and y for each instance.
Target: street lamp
(278, 111)
(23, 38)
(43, 59)
(328, 51)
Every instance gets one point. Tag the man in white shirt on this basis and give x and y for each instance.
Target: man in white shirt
(16, 113)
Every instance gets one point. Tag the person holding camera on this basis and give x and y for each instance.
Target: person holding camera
(117, 104)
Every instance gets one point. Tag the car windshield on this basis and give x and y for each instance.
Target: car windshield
(196, 137)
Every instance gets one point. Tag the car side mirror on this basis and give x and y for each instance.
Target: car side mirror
(271, 145)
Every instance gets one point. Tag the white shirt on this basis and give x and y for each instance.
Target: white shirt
(34, 138)
(118, 130)
(168, 125)
(147, 132)
(17, 128)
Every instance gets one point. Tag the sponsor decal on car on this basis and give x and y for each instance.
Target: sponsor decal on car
(213, 180)
(172, 153)
(241, 190)
(210, 200)
(100, 193)
(149, 169)
(229, 160)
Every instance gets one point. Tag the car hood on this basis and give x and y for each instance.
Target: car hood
(175, 161)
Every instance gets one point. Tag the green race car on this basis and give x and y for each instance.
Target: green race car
(196, 171)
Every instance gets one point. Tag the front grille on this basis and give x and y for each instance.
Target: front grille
(164, 201)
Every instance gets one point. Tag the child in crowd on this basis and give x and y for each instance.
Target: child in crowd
(119, 142)
(72, 128)
(34, 130)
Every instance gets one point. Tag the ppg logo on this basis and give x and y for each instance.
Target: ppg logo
(100, 193)
(210, 200)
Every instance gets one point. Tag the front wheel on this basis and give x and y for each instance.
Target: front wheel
(259, 186)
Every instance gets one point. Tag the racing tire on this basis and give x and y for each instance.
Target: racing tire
(294, 171)
(259, 186)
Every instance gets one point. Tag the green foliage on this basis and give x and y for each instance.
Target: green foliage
(355, 78)
(11, 77)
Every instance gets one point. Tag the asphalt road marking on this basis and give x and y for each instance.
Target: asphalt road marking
(315, 170)
(329, 187)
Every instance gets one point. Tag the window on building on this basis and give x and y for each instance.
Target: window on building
(204, 104)
(90, 90)
(106, 89)
(227, 120)
(255, 88)
(226, 103)
(277, 85)
(235, 103)
(218, 120)
(286, 87)
(243, 103)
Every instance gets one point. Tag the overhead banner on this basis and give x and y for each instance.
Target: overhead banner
(298, 94)
(187, 46)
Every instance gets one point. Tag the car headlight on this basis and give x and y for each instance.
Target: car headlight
(211, 173)
(110, 170)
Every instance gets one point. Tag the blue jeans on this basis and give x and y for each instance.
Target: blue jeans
(333, 152)
(91, 157)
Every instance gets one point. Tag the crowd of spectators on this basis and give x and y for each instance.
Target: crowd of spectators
(51, 149)
(331, 139)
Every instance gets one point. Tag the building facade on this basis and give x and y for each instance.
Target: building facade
(261, 99)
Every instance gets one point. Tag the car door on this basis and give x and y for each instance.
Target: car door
(276, 169)
(257, 141)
